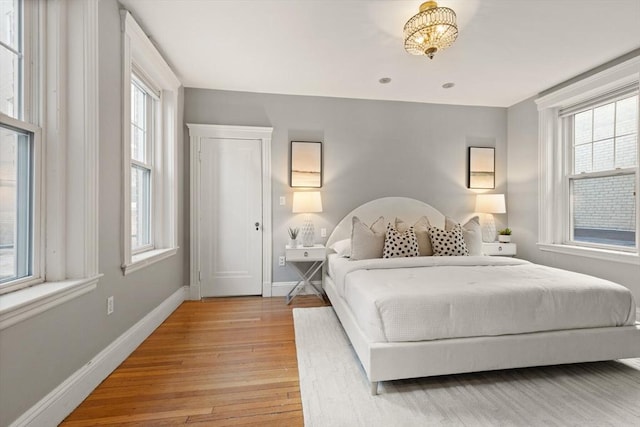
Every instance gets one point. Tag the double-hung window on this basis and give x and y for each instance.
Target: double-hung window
(602, 143)
(589, 156)
(19, 152)
(149, 151)
(144, 135)
(48, 245)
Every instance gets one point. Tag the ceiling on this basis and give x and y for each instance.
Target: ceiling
(506, 51)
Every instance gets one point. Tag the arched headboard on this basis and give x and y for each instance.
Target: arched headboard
(410, 210)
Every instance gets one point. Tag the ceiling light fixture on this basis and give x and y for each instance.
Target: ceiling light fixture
(430, 30)
(448, 85)
(385, 80)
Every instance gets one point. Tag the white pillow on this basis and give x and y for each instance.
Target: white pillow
(342, 248)
(472, 233)
(367, 242)
(421, 228)
(397, 244)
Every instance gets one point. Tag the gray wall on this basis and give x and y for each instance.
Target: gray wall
(371, 149)
(38, 354)
(523, 203)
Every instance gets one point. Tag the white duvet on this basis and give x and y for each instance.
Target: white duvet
(428, 298)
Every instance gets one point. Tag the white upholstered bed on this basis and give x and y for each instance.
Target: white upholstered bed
(424, 316)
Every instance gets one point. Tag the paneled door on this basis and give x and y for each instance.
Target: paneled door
(230, 217)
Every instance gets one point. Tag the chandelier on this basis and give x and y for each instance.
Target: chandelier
(430, 30)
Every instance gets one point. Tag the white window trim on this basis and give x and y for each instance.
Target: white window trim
(64, 99)
(37, 273)
(552, 194)
(139, 53)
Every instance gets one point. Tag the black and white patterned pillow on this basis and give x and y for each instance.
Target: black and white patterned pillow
(398, 244)
(448, 242)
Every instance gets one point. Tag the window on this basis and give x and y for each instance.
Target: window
(589, 151)
(19, 139)
(150, 152)
(48, 246)
(603, 144)
(143, 140)
(16, 208)
(12, 55)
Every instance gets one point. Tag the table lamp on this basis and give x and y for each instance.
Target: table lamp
(307, 202)
(490, 204)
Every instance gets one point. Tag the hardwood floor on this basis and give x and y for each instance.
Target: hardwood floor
(219, 362)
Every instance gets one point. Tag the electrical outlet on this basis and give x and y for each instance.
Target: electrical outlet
(323, 232)
(281, 261)
(109, 305)
(282, 201)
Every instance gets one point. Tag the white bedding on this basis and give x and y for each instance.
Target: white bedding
(429, 298)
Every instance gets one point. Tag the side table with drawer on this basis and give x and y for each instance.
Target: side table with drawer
(499, 249)
(296, 256)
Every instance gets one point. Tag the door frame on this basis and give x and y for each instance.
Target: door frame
(198, 132)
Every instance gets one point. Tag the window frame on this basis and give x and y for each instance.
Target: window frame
(28, 120)
(556, 160)
(143, 59)
(69, 228)
(36, 212)
(152, 121)
(570, 175)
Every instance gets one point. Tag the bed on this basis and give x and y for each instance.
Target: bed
(426, 316)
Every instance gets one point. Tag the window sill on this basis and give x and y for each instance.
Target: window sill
(28, 302)
(601, 254)
(145, 259)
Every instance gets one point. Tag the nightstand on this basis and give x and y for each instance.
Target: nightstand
(316, 255)
(499, 249)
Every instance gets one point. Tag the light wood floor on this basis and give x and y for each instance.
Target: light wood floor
(219, 362)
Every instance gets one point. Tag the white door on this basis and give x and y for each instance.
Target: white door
(230, 217)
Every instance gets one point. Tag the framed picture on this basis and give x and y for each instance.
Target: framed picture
(305, 168)
(482, 168)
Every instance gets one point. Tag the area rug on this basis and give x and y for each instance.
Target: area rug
(335, 391)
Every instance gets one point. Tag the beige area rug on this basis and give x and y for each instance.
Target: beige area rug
(335, 391)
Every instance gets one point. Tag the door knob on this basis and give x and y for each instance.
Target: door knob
(257, 225)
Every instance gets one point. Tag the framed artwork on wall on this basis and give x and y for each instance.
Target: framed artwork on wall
(305, 166)
(481, 173)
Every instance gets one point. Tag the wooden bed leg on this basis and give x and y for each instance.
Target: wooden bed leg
(374, 388)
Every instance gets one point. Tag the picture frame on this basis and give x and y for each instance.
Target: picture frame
(305, 165)
(481, 171)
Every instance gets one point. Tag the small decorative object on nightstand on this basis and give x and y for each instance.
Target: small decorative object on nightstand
(293, 237)
(295, 256)
(504, 236)
(499, 249)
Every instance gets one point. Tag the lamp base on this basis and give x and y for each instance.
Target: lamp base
(308, 233)
(489, 229)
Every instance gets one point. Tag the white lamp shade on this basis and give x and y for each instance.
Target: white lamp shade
(490, 203)
(307, 202)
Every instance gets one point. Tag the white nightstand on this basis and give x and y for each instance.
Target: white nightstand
(316, 255)
(499, 249)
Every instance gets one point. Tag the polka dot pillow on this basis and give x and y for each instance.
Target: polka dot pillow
(398, 244)
(448, 242)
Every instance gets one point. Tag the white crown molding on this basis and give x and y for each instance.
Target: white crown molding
(620, 74)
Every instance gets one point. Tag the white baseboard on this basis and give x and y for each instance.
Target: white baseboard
(55, 406)
(281, 289)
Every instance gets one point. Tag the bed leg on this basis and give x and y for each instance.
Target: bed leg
(374, 388)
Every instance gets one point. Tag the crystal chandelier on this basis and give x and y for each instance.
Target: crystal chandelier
(430, 30)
